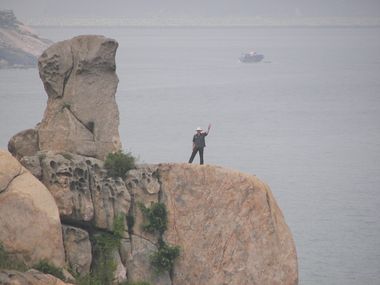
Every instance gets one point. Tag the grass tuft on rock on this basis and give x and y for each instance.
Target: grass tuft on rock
(45, 267)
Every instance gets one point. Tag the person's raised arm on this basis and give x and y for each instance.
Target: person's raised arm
(208, 129)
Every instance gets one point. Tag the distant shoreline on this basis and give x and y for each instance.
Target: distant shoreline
(206, 27)
(229, 22)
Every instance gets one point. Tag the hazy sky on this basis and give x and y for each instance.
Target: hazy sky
(201, 8)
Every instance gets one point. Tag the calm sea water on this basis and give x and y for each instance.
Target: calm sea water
(306, 120)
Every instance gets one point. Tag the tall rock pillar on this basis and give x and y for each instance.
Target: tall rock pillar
(80, 80)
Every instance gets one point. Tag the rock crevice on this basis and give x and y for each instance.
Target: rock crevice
(7, 183)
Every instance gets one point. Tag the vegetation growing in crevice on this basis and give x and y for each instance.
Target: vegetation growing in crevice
(156, 220)
(118, 163)
(163, 259)
(45, 267)
(104, 246)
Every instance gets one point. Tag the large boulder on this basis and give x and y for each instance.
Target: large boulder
(81, 115)
(29, 218)
(228, 226)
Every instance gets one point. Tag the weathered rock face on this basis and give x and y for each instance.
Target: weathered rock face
(31, 277)
(144, 187)
(24, 143)
(78, 249)
(138, 263)
(67, 178)
(28, 215)
(228, 226)
(81, 116)
(81, 188)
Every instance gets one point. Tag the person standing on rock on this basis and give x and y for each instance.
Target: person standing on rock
(199, 143)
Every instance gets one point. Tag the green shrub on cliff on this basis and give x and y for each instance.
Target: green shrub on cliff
(163, 259)
(156, 218)
(118, 163)
(156, 222)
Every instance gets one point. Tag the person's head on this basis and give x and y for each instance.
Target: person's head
(199, 130)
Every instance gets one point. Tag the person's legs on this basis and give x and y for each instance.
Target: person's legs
(201, 154)
(195, 150)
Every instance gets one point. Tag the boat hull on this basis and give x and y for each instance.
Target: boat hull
(247, 58)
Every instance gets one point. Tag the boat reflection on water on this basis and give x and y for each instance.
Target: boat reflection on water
(251, 57)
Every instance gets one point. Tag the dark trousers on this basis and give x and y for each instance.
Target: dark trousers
(195, 150)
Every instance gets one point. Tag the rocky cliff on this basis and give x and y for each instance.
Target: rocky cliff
(227, 224)
(19, 45)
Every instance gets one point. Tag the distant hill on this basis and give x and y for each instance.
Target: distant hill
(19, 45)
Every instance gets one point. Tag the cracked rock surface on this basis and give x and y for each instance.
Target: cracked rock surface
(81, 116)
(78, 249)
(228, 226)
(80, 79)
(227, 223)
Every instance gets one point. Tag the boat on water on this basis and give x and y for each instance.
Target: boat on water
(251, 57)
